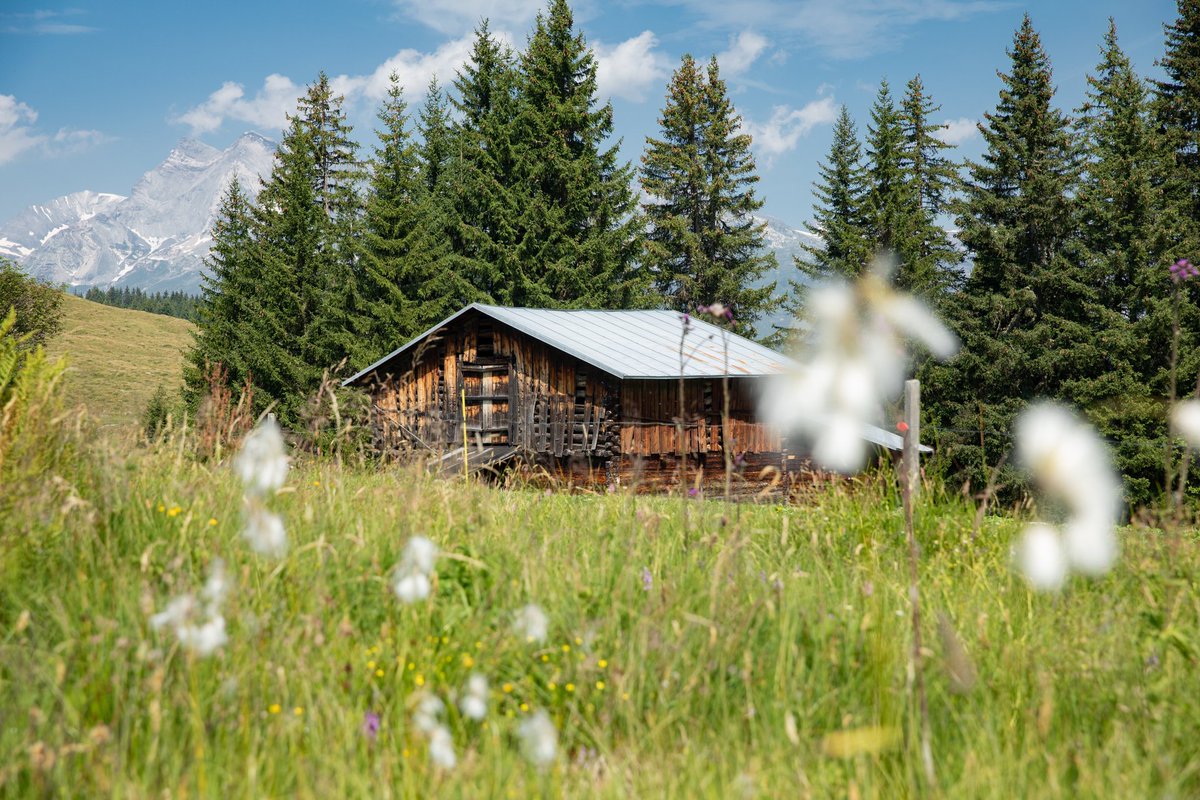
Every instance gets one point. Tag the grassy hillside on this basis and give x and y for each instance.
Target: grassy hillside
(761, 652)
(118, 357)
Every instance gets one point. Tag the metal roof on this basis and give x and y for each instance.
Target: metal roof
(639, 344)
(629, 344)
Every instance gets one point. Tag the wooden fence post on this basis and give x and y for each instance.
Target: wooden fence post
(912, 438)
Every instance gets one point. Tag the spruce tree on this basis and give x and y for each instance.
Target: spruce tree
(892, 210)
(704, 244)
(1125, 234)
(227, 312)
(840, 214)
(1177, 110)
(407, 281)
(481, 195)
(578, 238)
(933, 261)
(1029, 316)
(433, 125)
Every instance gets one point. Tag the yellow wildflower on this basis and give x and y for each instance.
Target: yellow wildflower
(173, 511)
(378, 673)
(602, 664)
(508, 687)
(274, 708)
(212, 522)
(570, 687)
(419, 680)
(298, 710)
(467, 661)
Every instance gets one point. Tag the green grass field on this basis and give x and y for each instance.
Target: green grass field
(758, 651)
(117, 358)
(711, 662)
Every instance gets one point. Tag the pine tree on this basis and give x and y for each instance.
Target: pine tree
(481, 194)
(408, 282)
(933, 263)
(1177, 110)
(578, 237)
(1125, 234)
(892, 209)
(840, 215)
(433, 125)
(1029, 317)
(703, 243)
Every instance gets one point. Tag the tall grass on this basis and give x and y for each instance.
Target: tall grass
(714, 661)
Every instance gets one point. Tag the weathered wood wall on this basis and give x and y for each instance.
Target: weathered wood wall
(650, 410)
(527, 394)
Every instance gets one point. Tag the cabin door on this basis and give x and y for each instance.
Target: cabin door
(484, 390)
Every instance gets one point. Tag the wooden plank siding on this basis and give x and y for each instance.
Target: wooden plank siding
(552, 406)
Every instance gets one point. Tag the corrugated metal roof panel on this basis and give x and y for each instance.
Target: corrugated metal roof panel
(643, 344)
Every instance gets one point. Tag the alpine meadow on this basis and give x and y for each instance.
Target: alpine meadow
(486, 450)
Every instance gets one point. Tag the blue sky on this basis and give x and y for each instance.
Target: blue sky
(93, 94)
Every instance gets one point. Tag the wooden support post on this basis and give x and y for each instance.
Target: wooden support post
(466, 471)
(912, 438)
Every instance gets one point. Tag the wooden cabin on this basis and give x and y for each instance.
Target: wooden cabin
(593, 396)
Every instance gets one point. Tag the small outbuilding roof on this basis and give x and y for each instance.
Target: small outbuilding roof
(628, 344)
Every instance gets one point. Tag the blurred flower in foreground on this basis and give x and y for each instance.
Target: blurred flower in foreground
(199, 626)
(854, 360)
(474, 701)
(411, 581)
(1183, 270)
(264, 530)
(262, 462)
(1070, 462)
(539, 738)
(531, 624)
(1185, 417)
(427, 719)
(370, 725)
(441, 748)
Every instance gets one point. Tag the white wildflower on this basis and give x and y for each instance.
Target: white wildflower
(856, 361)
(264, 531)
(411, 588)
(1040, 557)
(1185, 418)
(411, 579)
(419, 555)
(177, 613)
(531, 624)
(428, 714)
(1071, 463)
(199, 628)
(441, 748)
(262, 461)
(474, 701)
(539, 738)
(206, 638)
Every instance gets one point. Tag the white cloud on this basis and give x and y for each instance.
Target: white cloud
(630, 68)
(843, 29)
(457, 16)
(413, 67)
(16, 128)
(267, 109)
(787, 125)
(743, 50)
(957, 131)
(18, 133)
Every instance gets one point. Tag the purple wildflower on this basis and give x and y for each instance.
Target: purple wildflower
(1183, 270)
(370, 725)
(692, 492)
(647, 579)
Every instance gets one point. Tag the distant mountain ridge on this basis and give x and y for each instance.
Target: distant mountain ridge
(154, 239)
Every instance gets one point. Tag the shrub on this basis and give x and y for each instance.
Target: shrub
(38, 305)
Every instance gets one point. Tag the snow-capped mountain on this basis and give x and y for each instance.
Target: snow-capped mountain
(787, 243)
(37, 225)
(156, 238)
